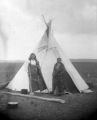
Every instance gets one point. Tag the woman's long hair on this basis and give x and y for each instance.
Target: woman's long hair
(32, 56)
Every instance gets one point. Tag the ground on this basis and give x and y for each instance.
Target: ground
(77, 106)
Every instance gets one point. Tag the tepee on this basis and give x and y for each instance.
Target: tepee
(47, 52)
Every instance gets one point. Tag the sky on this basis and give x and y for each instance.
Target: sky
(74, 26)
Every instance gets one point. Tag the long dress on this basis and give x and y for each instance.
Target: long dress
(58, 78)
(36, 78)
(62, 80)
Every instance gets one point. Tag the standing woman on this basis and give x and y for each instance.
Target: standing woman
(35, 75)
(59, 79)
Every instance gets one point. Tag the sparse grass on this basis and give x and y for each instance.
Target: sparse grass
(77, 106)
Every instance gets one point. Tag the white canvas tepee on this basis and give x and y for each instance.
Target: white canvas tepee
(47, 52)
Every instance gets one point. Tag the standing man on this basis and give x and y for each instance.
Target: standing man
(58, 81)
(35, 75)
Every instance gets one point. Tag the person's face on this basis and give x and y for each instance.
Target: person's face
(32, 57)
(59, 60)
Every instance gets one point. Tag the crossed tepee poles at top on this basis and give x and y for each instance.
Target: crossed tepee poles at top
(47, 33)
(48, 25)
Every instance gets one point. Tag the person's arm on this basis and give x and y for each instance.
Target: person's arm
(38, 66)
(53, 74)
(29, 70)
(29, 75)
(63, 67)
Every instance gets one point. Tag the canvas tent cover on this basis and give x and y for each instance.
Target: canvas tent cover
(47, 52)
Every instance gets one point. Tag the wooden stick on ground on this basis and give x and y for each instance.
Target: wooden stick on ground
(36, 97)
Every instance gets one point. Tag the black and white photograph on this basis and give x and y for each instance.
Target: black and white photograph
(48, 59)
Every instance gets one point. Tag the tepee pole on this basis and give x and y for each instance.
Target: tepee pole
(44, 20)
(46, 29)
